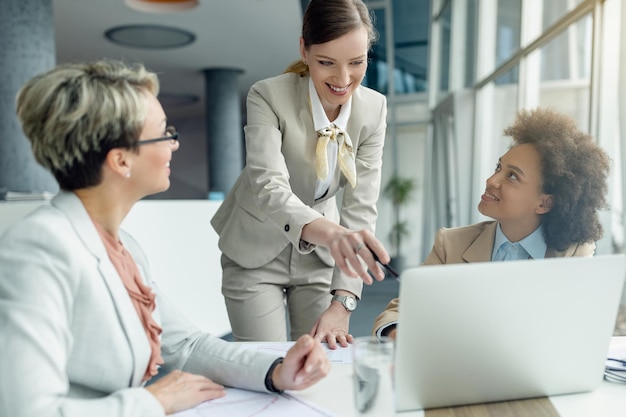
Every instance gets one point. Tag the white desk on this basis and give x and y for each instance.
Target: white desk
(334, 393)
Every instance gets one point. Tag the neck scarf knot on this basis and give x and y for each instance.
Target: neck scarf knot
(345, 153)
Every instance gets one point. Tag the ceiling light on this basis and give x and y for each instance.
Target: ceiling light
(161, 6)
(149, 36)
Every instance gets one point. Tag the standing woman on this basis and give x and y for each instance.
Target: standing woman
(311, 133)
(83, 327)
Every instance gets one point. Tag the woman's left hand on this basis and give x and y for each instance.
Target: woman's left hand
(332, 326)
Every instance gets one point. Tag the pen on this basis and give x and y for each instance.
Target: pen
(386, 266)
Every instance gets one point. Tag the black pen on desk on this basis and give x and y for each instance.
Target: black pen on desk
(386, 266)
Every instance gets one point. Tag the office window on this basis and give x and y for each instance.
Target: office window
(566, 71)
(377, 76)
(553, 10)
(497, 109)
(508, 34)
(471, 42)
(505, 101)
(445, 33)
(410, 48)
(404, 155)
(410, 36)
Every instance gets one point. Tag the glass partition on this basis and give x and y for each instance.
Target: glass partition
(553, 10)
(566, 71)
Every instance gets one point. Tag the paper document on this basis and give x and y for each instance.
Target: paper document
(615, 369)
(339, 355)
(242, 403)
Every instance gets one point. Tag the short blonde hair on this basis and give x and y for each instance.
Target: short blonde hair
(74, 114)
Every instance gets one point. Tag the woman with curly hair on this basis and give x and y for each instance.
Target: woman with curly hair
(544, 197)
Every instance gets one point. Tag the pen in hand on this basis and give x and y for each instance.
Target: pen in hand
(386, 266)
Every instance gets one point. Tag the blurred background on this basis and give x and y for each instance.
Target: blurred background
(455, 72)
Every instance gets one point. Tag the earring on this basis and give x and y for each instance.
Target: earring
(128, 174)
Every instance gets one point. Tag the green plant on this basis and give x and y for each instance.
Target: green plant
(400, 191)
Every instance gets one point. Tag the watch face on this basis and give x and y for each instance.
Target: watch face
(350, 303)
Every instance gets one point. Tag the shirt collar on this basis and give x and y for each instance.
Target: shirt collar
(320, 120)
(534, 243)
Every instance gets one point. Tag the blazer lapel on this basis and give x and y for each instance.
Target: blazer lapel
(127, 315)
(305, 183)
(480, 250)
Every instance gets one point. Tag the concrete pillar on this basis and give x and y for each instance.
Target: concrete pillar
(224, 129)
(27, 35)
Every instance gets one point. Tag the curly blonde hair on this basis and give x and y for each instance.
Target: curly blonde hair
(574, 170)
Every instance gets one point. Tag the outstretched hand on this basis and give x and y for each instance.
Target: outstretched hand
(304, 365)
(352, 251)
(349, 249)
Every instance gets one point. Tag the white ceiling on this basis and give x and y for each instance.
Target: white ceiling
(259, 37)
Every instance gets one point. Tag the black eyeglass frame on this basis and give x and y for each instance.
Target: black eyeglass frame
(173, 136)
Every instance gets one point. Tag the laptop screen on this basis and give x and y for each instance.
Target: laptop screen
(481, 332)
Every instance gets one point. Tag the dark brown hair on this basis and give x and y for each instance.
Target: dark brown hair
(574, 171)
(327, 20)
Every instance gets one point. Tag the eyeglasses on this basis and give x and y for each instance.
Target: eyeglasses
(170, 134)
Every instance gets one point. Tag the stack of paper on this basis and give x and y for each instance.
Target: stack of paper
(615, 370)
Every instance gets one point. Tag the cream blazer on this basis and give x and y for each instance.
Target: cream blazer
(472, 243)
(71, 342)
(274, 197)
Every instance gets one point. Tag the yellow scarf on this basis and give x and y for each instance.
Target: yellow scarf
(346, 157)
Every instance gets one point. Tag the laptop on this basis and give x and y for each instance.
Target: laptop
(496, 331)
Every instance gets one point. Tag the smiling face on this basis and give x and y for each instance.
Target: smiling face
(337, 68)
(513, 194)
(151, 167)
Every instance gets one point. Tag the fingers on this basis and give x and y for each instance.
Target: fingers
(331, 340)
(313, 332)
(305, 363)
(302, 346)
(179, 391)
(343, 339)
(333, 325)
(377, 247)
(335, 338)
(351, 250)
(393, 334)
(316, 365)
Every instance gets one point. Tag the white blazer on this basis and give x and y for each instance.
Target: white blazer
(71, 342)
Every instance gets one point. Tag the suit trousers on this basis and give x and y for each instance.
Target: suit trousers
(259, 300)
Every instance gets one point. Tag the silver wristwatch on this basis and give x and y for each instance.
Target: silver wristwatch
(348, 302)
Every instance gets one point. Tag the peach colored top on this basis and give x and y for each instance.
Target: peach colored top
(141, 295)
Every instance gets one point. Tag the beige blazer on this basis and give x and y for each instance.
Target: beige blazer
(274, 197)
(71, 342)
(472, 243)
